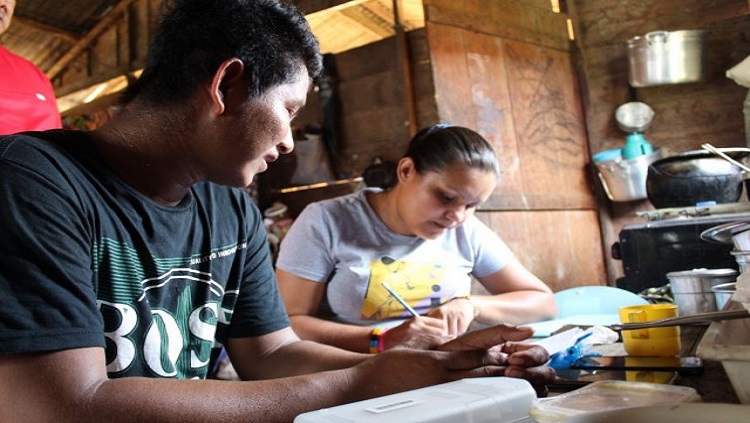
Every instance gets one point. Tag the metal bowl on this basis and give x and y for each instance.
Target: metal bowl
(696, 177)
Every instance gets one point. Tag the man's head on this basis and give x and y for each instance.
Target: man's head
(270, 37)
(6, 14)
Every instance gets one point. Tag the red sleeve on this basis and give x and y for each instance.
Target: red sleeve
(27, 98)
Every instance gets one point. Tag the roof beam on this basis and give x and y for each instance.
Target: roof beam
(89, 38)
(65, 35)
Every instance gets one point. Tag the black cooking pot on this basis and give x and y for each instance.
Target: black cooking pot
(696, 177)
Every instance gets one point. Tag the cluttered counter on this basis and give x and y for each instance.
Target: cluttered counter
(688, 397)
(708, 378)
(705, 394)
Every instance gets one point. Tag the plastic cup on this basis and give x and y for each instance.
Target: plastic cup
(657, 342)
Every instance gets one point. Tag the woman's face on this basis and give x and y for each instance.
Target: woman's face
(431, 203)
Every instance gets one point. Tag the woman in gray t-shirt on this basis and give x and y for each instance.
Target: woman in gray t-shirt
(370, 270)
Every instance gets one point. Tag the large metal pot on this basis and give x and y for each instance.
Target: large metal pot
(692, 289)
(662, 57)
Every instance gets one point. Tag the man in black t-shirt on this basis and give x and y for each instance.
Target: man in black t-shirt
(129, 261)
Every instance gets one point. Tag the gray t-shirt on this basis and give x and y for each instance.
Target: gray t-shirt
(342, 242)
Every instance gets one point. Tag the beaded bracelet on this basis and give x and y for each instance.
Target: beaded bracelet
(377, 340)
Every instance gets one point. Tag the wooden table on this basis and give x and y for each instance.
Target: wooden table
(712, 384)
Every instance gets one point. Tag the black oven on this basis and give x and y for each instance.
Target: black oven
(650, 250)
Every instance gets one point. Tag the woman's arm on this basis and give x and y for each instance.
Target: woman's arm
(302, 298)
(517, 297)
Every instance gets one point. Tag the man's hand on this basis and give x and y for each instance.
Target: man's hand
(523, 361)
(431, 360)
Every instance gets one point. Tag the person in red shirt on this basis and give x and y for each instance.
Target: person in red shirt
(27, 99)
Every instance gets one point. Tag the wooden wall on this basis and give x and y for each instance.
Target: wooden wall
(687, 115)
(505, 68)
(374, 115)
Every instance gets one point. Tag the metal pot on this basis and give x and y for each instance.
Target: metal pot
(692, 289)
(662, 57)
(695, 177)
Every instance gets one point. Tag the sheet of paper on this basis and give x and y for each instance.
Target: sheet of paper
(559, 342)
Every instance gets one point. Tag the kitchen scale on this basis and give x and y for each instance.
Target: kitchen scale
(634, 118)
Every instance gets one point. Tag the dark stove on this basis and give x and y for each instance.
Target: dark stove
(670, 240)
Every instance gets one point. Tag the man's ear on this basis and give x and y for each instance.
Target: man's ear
(228, 86)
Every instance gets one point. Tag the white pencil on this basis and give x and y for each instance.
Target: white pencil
(399, 299)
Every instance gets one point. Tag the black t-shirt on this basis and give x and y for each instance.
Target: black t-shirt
(85, 261)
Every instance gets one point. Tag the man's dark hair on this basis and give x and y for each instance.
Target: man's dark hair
(271, 37)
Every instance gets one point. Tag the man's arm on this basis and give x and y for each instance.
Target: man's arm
(282, 354)
(72, 385)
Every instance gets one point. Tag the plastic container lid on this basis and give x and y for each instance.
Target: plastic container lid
(609, 395)
(607, 155)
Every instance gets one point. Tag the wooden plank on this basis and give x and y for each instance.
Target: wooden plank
(568, 255)
(373, 91)
(549, 146)
(551, 136)
(505, 18)
(472, 91)
(600, 22)
(373, 113)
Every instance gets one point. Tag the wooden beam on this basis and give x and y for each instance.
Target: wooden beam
(57, 32)
(89, 38)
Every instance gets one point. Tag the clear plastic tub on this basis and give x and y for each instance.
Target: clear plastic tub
(729, 342)
(609, 395)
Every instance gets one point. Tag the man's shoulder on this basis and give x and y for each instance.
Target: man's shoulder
(43, 142)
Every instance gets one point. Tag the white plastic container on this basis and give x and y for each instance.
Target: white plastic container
(624, 180)
(490, 399)
(609, 395)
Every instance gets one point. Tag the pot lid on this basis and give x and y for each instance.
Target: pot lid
(634, 116)
(723, 234)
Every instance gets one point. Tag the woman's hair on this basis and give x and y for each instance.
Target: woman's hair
(271, 37)
(438, 147)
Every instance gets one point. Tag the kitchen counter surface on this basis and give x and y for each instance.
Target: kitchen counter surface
(712, 384)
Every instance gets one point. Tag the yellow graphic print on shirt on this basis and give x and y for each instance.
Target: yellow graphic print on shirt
(419, 283)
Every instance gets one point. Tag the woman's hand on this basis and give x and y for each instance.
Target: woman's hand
(457, 314)
(413, 328)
